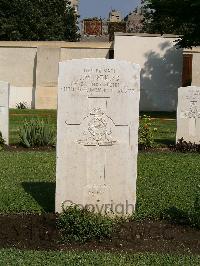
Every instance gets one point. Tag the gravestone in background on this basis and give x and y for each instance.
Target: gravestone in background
(97, 135)
(4, 110)
(188, 114)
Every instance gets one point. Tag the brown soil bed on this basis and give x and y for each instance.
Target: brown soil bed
(38, 232)
(50, 148)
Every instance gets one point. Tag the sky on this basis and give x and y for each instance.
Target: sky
(101, 8)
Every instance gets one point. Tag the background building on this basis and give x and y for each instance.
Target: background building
(92, 27)
(115, 16)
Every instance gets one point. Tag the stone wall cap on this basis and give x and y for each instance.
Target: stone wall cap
(57, 44)
(146, 35)
(192, 50)
(103, 59)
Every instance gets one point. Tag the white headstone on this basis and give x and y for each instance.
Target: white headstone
(4, 110)
(97, 135)
(188, 114)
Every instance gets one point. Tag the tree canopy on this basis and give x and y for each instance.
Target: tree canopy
(37, 20)
(174, 16)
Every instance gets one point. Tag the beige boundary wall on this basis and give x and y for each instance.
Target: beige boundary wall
(31, 68)
(161, 67)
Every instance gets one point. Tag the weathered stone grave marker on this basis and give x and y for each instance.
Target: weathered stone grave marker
(97, 135)
(4, 110)
(188, 114)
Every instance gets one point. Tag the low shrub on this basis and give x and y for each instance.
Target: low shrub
(146, 132)
(21, 105)
(184, 146)
(37, 133)
(81, 225)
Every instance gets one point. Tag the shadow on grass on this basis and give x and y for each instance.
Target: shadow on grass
(176, 216)
(166, 142)
(43, 193)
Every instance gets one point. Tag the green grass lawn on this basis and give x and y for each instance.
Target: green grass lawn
(13, 257)
(166, 132)
(27, 181)
(165, 181)
(165, 135)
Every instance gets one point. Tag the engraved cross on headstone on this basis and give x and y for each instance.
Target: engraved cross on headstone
(98, 129)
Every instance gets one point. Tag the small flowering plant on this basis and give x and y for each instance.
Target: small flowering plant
(146, 132)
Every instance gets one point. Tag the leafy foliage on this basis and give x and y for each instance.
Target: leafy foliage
(174, 16)
(36, 133)
(184, 146)
(37, 20)
(81, 225)
(146, 132)
(21, 105)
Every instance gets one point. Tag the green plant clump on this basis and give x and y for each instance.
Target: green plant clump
(146, 132)
(21, 105)
(81, 225)
(36, 133)
(184, 146)
(2, 141)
